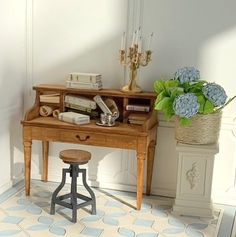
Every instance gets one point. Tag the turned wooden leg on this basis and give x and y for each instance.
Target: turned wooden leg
(45, 147)
(27, 158)
(140, 164)
(150, 162)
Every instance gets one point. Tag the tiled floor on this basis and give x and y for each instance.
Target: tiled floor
(22, 216)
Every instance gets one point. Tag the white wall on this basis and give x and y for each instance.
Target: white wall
(200, 34)
(74, 36)
(12, 78)
(80, 36)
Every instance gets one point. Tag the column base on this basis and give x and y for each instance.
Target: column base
(193, 208)
(194, 181)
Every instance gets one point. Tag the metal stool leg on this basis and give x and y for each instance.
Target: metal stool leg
(58, 189)
(83, 171)
(74, 171)
(74, 175)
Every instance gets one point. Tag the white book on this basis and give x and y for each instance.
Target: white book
(78, 107)
(72, 117)
(81, 101)
(85, 77)
(83, 85)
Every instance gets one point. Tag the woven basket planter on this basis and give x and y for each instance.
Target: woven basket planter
(204, 129)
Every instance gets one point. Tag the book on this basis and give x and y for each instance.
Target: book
(50, 98)
(78, 107)
(138, 116)
(138, 122)
(84, 85)
(72, 117)
(136, 107)
(92, 114)
(81, 101)
(85, 77)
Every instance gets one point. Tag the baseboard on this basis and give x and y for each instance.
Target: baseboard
(5, 186)
(17, 180)
(11, 191)
(163, 192)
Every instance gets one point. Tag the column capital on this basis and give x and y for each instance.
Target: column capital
(207, 148)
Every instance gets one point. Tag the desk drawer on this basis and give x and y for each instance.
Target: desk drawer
(119, 141)
(82, 138)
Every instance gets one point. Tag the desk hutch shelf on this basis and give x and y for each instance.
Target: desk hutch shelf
(122, 100)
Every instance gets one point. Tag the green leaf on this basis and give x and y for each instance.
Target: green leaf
(176, 91)
(194, 87)
(186, 86)
(185, 121)
(171, 83)
(160, 97)
(168, 110)
(166, 106)
(169, 113)
(159, 86)
(208, 107)
(201, 100)
(164, 103)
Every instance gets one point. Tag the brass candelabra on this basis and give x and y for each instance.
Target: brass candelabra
(134, 59)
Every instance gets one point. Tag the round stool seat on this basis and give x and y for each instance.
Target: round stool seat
(75, 156)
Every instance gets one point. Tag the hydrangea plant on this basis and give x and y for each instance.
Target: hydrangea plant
(186, 95)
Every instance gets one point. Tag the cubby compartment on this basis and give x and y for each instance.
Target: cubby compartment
(134, 108)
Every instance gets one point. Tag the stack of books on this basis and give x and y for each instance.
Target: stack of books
(75, 118)
(89, 81)
(81, 105)
(137, 118)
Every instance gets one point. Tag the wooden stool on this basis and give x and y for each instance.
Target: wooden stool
(74, 158)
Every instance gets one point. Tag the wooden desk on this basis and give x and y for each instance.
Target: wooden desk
(123, 135)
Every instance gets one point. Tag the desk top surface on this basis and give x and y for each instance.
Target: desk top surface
(119, 128)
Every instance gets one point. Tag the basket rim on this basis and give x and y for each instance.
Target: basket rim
(204, 129)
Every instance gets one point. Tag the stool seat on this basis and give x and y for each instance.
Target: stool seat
(75, 156)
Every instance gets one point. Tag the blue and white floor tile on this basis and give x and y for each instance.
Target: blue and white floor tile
(22, 216)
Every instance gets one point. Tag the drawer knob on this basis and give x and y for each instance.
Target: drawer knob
(82, 138)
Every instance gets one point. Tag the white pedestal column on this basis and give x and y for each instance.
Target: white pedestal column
(194, 180)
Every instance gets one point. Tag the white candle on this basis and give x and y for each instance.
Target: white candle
(150, 41)
(140, 44)
(122, 47)
(133, 39)
(138, 35)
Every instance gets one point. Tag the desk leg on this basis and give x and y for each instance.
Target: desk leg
(45, 147)
(140, 164)
(27, 158)
(150, 161)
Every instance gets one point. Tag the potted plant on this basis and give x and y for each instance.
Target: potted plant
(196, 104)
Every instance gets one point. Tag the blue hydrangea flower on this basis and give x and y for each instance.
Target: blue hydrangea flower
(215, 93)
(187, 74)
(186, 105)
